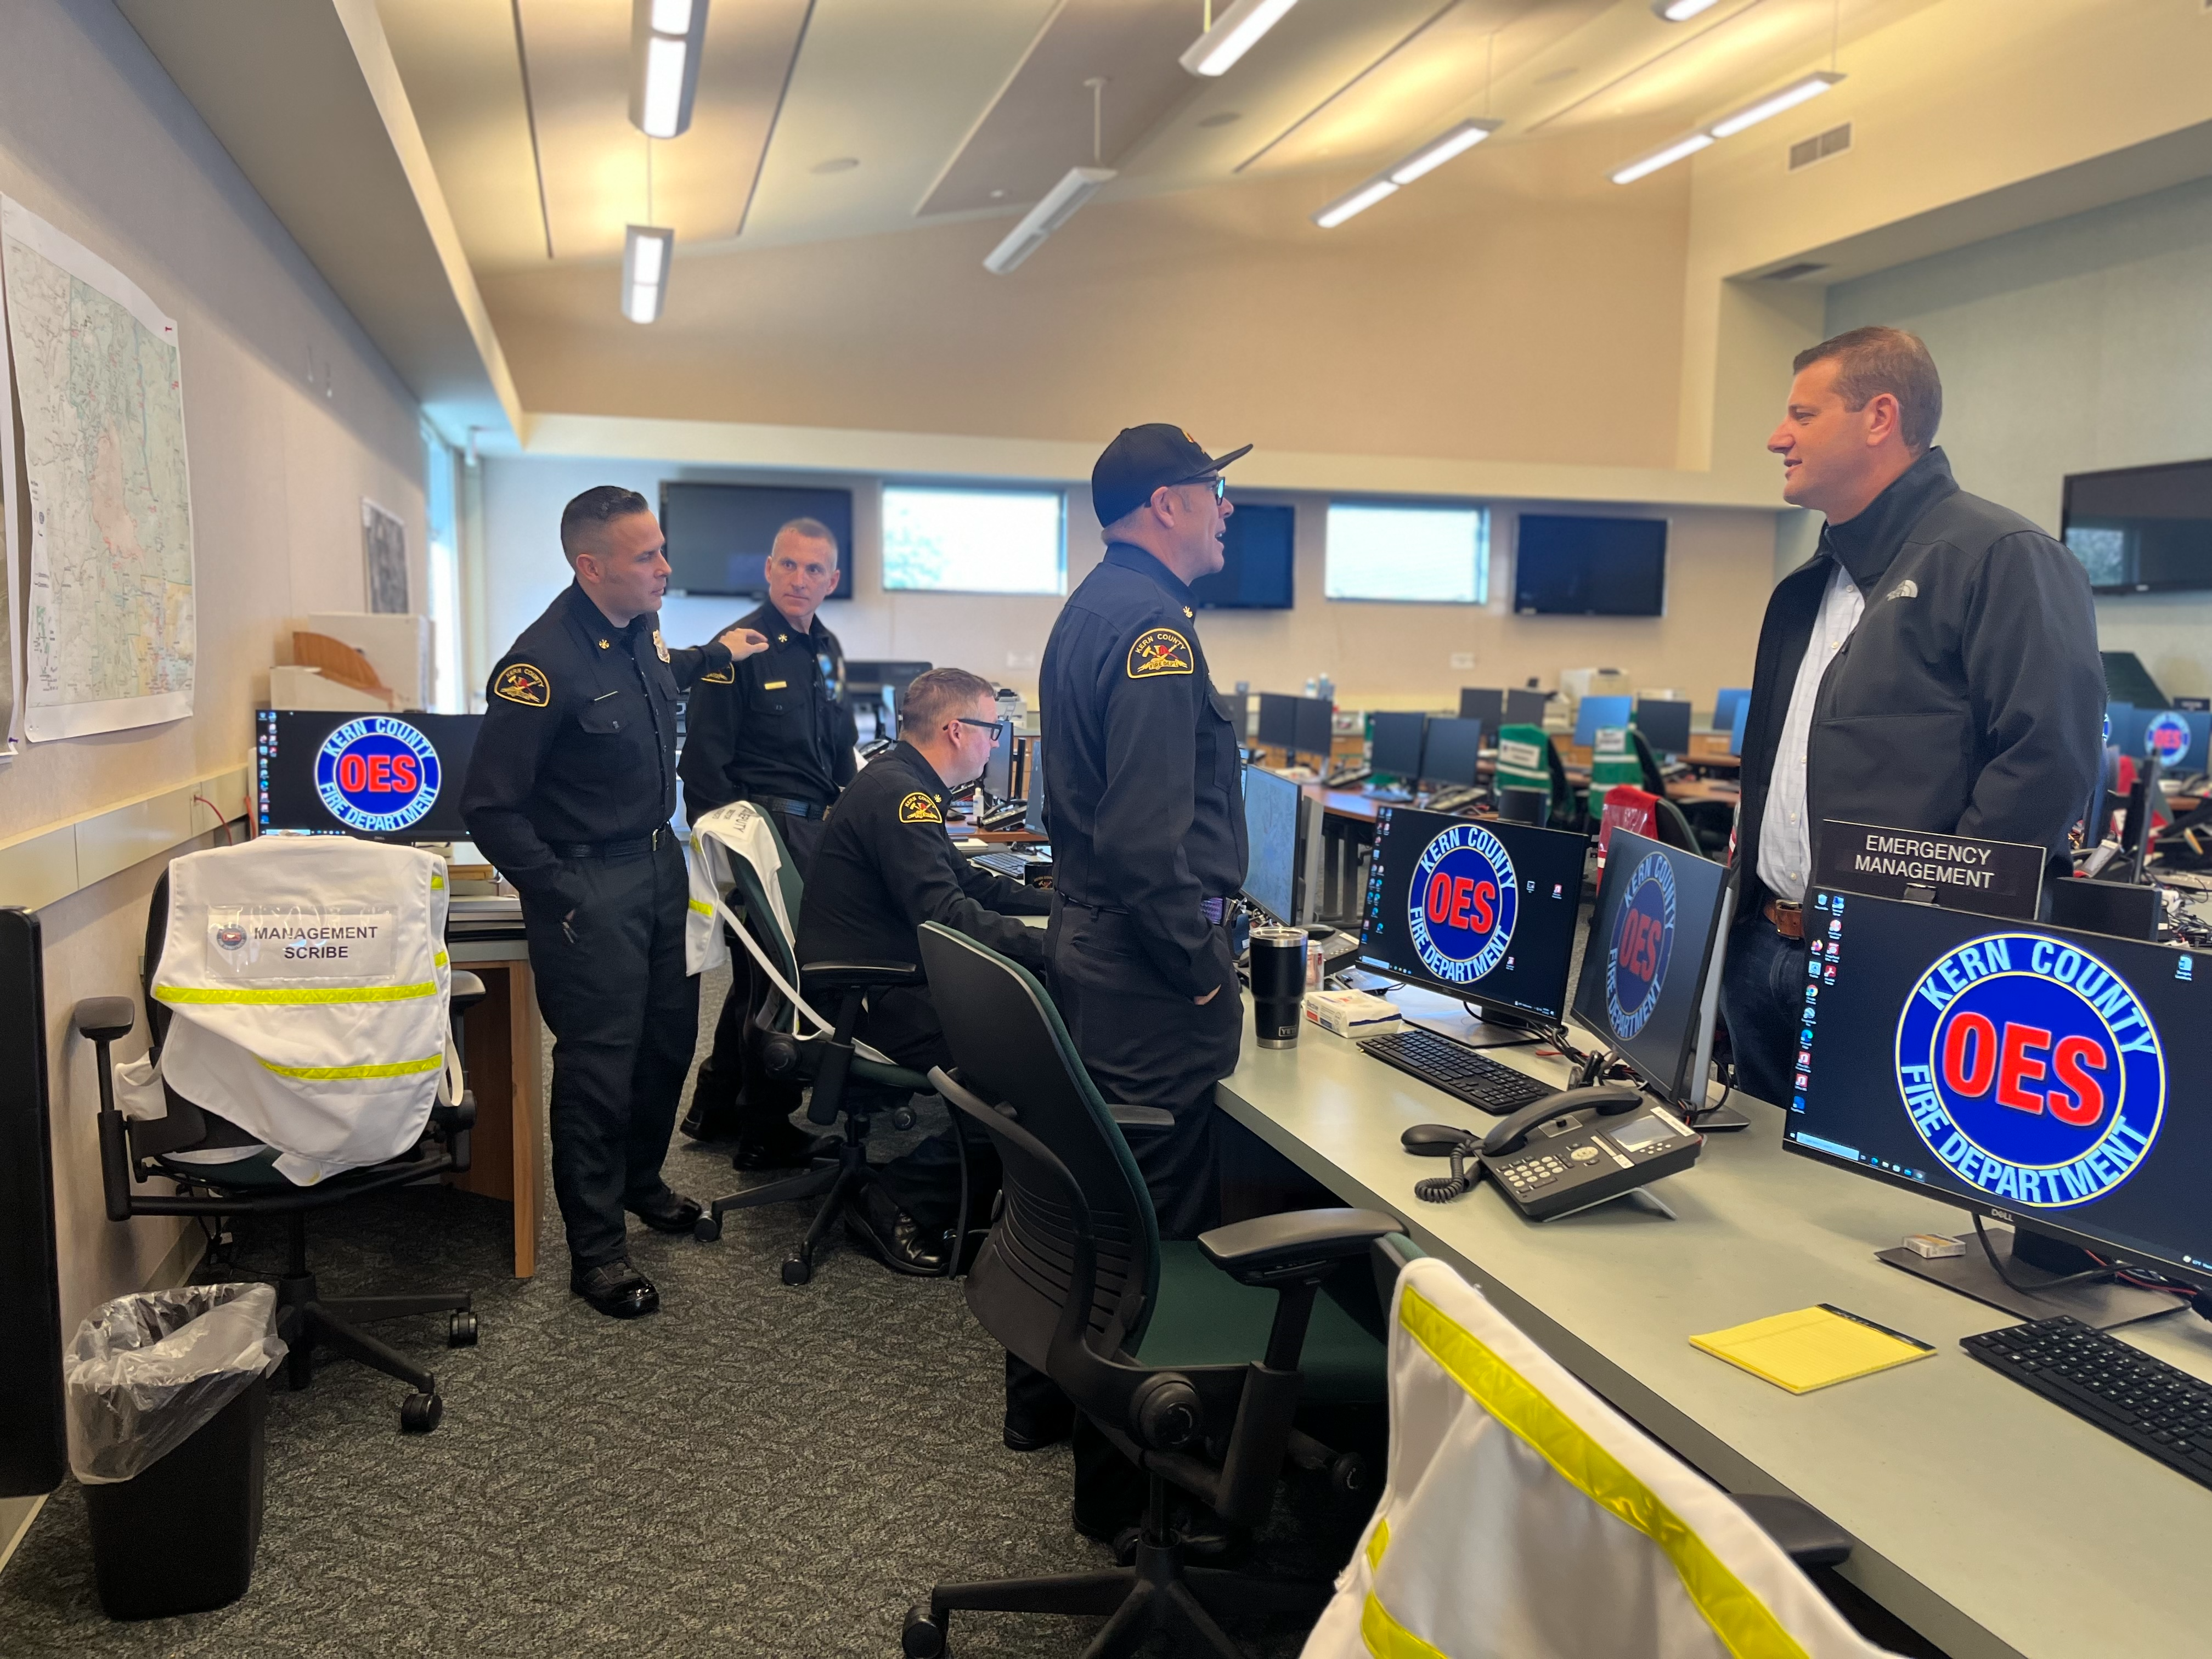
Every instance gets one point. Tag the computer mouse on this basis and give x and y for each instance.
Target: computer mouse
(1437, 1140)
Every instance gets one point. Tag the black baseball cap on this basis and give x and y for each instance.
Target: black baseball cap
(1141, 459)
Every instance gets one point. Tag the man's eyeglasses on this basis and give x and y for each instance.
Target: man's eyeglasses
(1219, 482)
(998, 728)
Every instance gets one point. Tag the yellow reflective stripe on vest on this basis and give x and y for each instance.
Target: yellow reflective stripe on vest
(1378, 1543)
(1737, 1616)
(702, 907)
(437, 881)
(303, 994)
(1387, 1639)
(439, 960)
(328, 1073)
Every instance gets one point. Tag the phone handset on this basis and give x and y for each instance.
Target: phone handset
(1607, 1100)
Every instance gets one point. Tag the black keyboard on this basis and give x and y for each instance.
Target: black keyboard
(1458, 1070)
(2123, 1390)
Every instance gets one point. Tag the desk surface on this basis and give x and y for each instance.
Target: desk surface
(1355, 803)
(1990, 1519)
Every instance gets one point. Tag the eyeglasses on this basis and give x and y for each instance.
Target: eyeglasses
(998, 728)
(1220, 481)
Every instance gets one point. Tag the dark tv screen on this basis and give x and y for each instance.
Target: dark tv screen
(719, 534)
(2142, 529)
(1568, 566)
(1258, 558)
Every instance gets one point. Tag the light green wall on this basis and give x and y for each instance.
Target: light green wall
(2069, 347)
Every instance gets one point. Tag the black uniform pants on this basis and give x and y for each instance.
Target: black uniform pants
(925, 1183)
(733, 1094)
(624, 1016)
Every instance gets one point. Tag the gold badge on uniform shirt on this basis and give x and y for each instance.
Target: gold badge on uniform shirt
(918, 808)
(660, 645)
(520, 682)
(1159, 651)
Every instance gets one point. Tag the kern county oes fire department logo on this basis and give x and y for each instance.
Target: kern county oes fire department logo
(377, 775)
(2031, 1070)
(1463, 899)
(2167, 737)
(1643, 944)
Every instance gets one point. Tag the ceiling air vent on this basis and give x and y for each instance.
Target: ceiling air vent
(1790, 273)
(1834, 141)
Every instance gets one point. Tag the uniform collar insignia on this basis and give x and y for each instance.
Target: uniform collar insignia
(602, 645)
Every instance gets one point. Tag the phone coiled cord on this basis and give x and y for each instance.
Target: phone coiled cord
(1440, 1189)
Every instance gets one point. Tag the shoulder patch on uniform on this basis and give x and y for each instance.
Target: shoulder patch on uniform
(720, 677)
(1159, 651)
(918, 808)
(520, 682)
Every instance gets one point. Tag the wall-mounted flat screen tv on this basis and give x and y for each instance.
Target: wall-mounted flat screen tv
(1570, 566)
(718, 533)
(1258, 562)
(2141, 529)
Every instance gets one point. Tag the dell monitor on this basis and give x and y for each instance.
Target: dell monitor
(1451, 752)
(2046, 1076)
(1735, 731)
(1395, 748)
(1282, 871)
(1665, 724)
(1478, 704)
(1730, 699)
(1483, 910)
(1596, 711)
(385, 777)
(1526, 708)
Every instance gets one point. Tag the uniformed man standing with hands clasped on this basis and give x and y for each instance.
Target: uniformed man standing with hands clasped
(570, 789)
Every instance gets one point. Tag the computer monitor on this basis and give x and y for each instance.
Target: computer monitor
(1483, 910)
(385, 777)
(719, 534)
(1476, 703)
(1731, 698)
(1395, 749)
(882, 685)
(2178, 737)
(1033, 820)
(1651, 978)
(1665, 724)
(1282, 871)
(999, 770)
(1735, 731)
(2128, 724)
(2012, 1069)
(1259, 562)
(1594, 712)
(1278, 719)
(1451, 752)
(1526, 708)
(1314, 725)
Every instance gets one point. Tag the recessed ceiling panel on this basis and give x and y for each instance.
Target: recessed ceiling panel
(464, 81)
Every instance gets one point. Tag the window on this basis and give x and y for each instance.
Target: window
(447, 695)
(1424, 554)
(974, 541)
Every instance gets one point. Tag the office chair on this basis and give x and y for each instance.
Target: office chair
(1192, 1357)
(1705, 823)
(133, 1150)
(831, 1065)
(1568, 809)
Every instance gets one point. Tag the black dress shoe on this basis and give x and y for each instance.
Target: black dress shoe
(781, 1146)
(670, 1213)
(616, 1289)
(1033, 1430)
(891, 1235)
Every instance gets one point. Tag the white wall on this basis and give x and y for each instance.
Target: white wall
(2071, 347)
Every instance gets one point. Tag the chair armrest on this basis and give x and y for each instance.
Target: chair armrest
(857, 975)
(1140, 1117)
(1272, 1246)
(1807, 1536)
(465, 991)
(104, 1019)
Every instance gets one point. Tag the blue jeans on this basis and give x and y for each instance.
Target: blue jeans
(1763, 997)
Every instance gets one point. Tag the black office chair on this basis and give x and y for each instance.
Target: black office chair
(135, 1150)
(1193, 1358)
(1569, 811)
(1702, 826)
(831, 1064)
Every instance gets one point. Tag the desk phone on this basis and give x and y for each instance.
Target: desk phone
(1563, 1154)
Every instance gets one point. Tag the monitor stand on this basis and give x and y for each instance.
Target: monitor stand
(2033, 1258)
(1721, 1120)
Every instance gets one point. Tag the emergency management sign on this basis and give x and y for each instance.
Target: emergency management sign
(377, 775)
(2031, 1070)
(1953, 872)
(1463, 903)
(1642, 946)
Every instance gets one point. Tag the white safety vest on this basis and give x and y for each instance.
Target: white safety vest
(308, 987)
(1524, 1518)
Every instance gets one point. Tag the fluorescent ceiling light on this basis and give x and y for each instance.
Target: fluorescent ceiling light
(664, 38)
(1457, 140)
(1681, 11)
(1789, 97)
(1058, 207)
(1667, 157)
(1357, 202)
(646, 252)
(1235, 32)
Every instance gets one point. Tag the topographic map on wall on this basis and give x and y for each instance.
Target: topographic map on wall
(107, 613)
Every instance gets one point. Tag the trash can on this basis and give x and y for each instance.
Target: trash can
(167, 1410)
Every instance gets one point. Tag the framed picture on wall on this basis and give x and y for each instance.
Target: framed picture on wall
(383, 559)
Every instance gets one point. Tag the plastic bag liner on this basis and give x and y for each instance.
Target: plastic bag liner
(147, 1372)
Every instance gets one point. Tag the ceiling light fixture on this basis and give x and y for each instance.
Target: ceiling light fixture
(647, 251)
(1235, 33)
(1058, 207)
(1681, 11)
(1662, 158)
(664, 38)
(1454, 141)
(1797, 92)
(1356, 201)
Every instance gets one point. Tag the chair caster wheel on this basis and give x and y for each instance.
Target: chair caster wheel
(707, 1229)
(797, 1270)
(922, 1638)
(461, 1330)
(1349, 1475)
(1125, 1545)
(903, 1118)
(420, 1412)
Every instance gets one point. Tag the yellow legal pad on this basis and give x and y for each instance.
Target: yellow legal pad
(1813, 1348)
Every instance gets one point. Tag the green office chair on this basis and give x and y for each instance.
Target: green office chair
(1192, 1357)
(843, 1081)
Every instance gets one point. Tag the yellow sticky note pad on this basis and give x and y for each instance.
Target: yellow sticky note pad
(1812, 1347)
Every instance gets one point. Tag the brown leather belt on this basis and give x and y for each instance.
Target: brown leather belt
(1788, 919)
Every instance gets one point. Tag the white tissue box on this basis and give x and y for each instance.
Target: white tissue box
(1352, 1013)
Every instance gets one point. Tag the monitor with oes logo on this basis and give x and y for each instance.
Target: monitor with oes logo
(389, 777)
(1650, 978)
(1484, 911)
(2037, 1072)
(2177, 737)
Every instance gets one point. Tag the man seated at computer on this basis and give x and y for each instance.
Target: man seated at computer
(886, 866)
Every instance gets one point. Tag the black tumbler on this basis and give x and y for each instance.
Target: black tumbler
(1279, 985)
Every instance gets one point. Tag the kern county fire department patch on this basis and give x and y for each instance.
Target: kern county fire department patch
(521, 683)
(1159, 651)
(918, 808)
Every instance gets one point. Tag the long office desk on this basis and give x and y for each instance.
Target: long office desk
(1988, 1519)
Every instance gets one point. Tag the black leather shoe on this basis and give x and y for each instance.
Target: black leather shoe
(670, 1213)
(1033, 1430)
(891, 1235)
(616, 1289)
(782, 1145)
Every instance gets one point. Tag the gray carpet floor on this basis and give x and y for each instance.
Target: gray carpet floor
(755, 1470)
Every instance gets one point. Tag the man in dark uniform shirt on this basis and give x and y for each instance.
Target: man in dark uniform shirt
(886, 866)
(773, 730)
(570, 789)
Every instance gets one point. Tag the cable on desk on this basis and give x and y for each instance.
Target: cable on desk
(1440, 1189)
